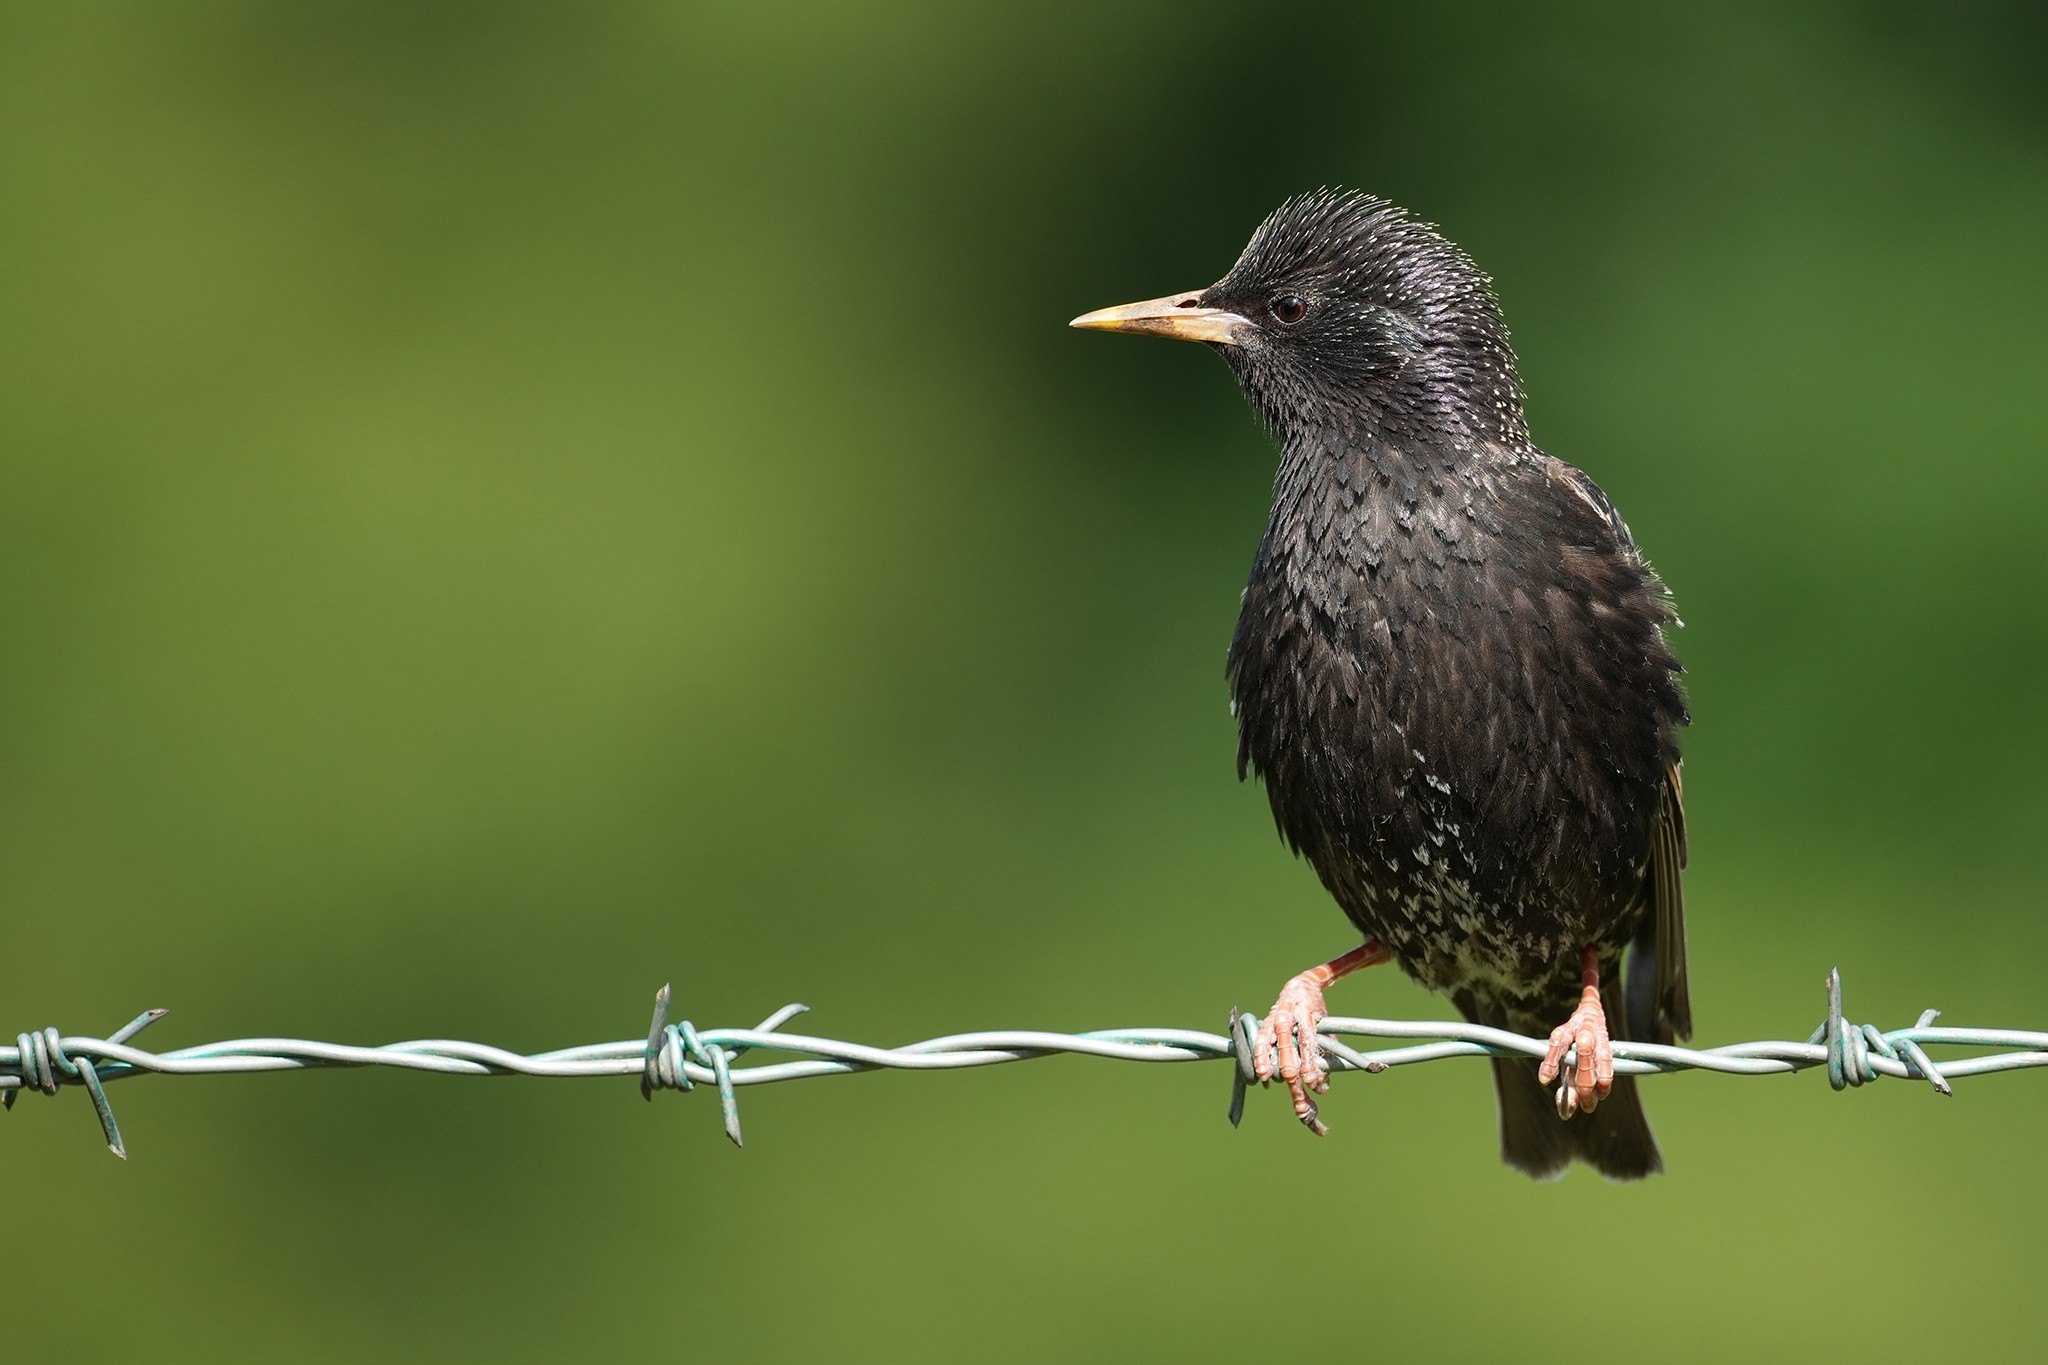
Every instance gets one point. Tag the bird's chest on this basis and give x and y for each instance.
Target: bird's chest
(1364, 654)
(1403, 689)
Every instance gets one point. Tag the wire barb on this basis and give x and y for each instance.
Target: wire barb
(1243, 1032)
(43, 1061)
(679, 1056)
(670, 1045)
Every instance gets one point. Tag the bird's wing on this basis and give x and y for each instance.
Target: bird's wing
(1659, 997)
(1663, 1012)
(1580, 485)
(1659, 1000)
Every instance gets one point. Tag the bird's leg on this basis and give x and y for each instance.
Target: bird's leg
(1592, 1074)
(1286, 1046)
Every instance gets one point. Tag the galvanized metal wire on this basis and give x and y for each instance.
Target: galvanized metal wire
(680, 1056)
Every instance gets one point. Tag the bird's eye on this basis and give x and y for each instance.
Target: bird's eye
(1290, 308)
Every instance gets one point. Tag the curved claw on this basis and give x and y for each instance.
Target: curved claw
(1591, 1076)
(1288, 1048)
(1287, 1045)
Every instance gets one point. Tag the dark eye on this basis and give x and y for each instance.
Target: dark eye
(1290, 308)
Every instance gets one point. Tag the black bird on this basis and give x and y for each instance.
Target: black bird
(1450, 671)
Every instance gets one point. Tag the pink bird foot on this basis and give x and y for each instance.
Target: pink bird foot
(1287, 1046)
(1592, 1073)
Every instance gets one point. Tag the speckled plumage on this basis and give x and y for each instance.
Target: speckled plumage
(1451, 671)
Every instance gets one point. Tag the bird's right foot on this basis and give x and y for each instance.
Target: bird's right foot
(1287, 1046)
(1585, 1036)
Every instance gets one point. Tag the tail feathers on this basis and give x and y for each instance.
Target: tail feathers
(1614, 1139)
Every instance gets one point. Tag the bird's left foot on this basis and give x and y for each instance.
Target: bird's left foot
(1287, 1046)
(1592, 1073)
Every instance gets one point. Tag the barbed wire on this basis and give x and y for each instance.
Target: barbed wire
(679, 1056)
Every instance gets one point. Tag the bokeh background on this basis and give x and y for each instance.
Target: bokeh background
(505, 505)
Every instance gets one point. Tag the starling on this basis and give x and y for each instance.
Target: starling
(1450, 672)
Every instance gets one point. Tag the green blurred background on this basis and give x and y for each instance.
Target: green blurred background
(504, 505)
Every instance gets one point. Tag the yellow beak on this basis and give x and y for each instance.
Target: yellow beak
(1178, 315)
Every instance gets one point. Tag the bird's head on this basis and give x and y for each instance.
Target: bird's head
(1343, 306)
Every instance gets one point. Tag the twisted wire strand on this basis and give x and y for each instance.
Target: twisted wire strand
(679, 1056)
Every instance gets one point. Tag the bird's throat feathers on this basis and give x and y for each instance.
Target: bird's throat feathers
(1355, 504)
